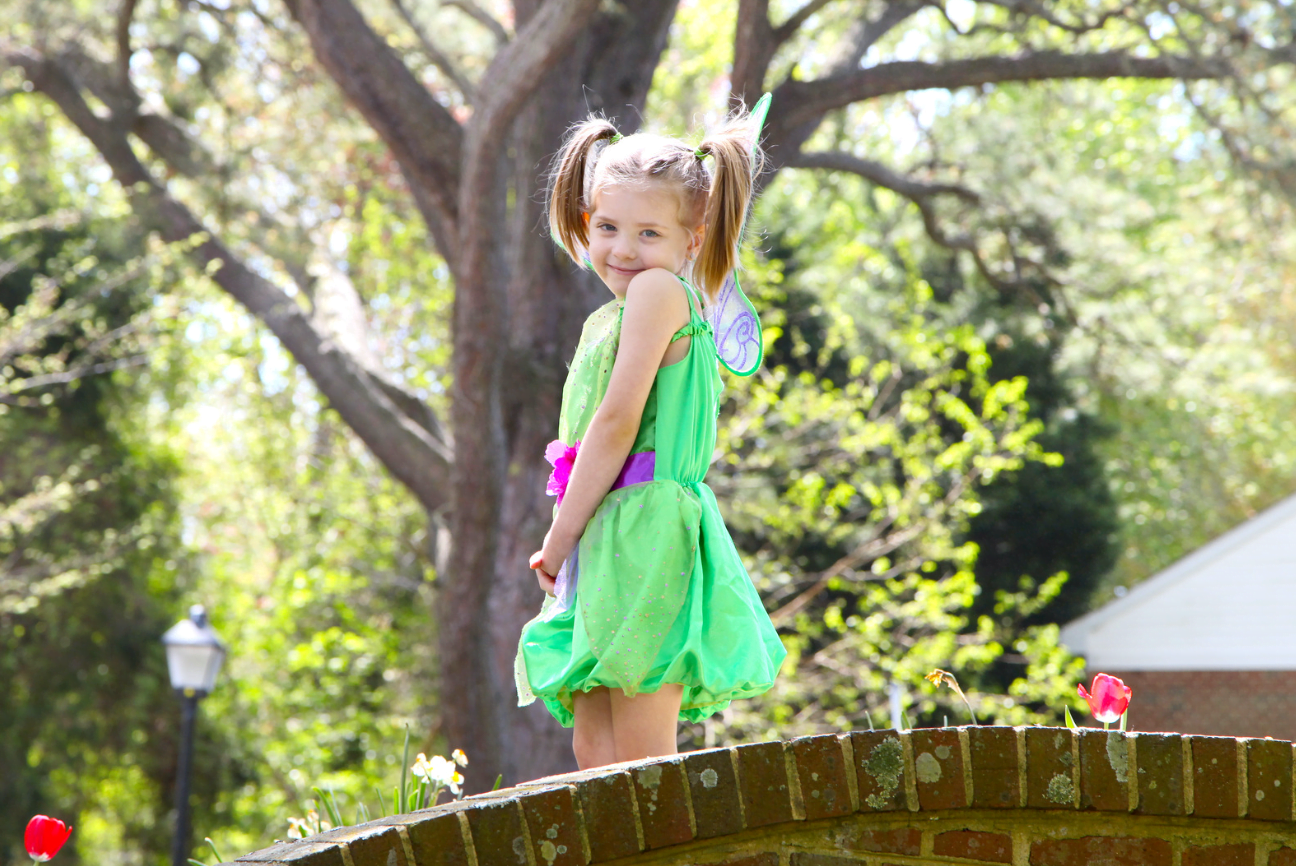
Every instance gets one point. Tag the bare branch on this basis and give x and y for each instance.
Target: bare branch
(788, 28)
(483, 17)
(881, 175)
(404, 446)
(865, 33)
(807, 101)
(422, 134)
(439, 59)
(754, 48)
(124, 16)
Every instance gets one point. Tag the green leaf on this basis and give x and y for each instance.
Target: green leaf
(499, 780)
(1070, 722)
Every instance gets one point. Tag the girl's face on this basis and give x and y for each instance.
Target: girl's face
(633, 229)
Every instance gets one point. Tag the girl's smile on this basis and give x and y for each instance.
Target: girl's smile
(633, 229)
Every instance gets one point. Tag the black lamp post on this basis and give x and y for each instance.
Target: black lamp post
(194, 656)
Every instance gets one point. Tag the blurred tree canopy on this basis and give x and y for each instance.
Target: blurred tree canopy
(1025, 271)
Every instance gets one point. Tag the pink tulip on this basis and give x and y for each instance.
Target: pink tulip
(1110, 698)
(45, 836)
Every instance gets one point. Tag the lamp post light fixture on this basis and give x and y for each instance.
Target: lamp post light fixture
(194, 655)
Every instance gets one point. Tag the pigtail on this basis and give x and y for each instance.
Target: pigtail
(732, 181)
(571, 167)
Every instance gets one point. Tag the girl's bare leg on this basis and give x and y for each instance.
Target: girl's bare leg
(592, 738)
(645, 725)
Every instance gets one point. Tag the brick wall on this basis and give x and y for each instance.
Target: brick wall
(970, 796)
(1228, 703)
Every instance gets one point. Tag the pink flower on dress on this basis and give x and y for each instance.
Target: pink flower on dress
(562, 458)
(1110, 698)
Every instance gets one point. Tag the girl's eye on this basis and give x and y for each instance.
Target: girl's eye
(650, 233)
(606, 227)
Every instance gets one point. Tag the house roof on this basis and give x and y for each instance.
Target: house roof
(1230, 605)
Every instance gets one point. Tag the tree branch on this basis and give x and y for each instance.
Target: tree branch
(439, 59)
(788, 28)
(406, 447)
(865, 33)
(124, 16)
(807, 101)
(881, 175)
(482, 17)
(754, 47)
(423, 136)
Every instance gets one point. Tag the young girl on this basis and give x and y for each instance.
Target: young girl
(654, 616)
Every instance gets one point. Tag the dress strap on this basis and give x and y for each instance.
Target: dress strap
(692, 295)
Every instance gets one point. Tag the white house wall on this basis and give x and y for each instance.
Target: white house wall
(1229, 606)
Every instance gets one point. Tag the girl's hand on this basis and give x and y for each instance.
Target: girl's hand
(547, 581)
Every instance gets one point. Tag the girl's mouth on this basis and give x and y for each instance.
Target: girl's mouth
(624, 271)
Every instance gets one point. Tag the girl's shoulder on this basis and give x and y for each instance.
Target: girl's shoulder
(661, 292)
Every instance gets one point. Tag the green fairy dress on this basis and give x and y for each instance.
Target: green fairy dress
(662, 595)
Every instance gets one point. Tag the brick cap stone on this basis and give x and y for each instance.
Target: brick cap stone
(978, 784)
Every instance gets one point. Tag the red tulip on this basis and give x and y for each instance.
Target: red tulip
(45, 836)
(1110, 698)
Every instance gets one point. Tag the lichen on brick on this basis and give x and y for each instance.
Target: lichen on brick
(1060, 790)
(927, 768)
(885, 764)
(1118, 755)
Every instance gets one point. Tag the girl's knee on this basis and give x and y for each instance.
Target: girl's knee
(593, 746)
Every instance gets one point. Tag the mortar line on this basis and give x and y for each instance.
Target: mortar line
(1243, 796)
(345, 850)
(688, 795)
(910, 771)
(634, 807)
(795, 795)
(1190, 798)
(852, 781)
(742, 807)
(526, 834)
(1075, 770)
(466, 832)
(965, 746)
(1022, 781)
(406, 844)
(580, 822)
(1131, 770)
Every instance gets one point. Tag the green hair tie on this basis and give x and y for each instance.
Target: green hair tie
(700, 153)
(616, 136)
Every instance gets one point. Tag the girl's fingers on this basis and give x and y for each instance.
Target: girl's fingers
(536, 559)
(546, 581)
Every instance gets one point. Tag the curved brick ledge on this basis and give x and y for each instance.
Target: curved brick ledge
(979, 795)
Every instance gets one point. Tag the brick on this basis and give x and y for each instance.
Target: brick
(714, 788)
(766, 794)
(994, 767)
(903, 840)
(382, 848)
(1269, 780)
(497, 833)
(1220, 855)
(1215, 777)
(663, 809)
(1107, 850)
(1283, 857)
(554, 827)
(821, 771)
(879, 770)
(974, 845)
(1049, 780)
(298, 854)
(938, 768)
(1104, 771)
(608, 807)
(438, 841)
(1160, 774)
(766, 859)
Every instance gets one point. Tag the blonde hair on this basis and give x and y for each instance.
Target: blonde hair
(595, 156)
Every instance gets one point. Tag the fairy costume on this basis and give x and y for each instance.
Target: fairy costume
(655, 592)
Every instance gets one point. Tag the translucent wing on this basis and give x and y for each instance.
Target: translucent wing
(733, 319)
(737, 329)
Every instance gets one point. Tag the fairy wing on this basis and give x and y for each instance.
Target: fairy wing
(733, 319)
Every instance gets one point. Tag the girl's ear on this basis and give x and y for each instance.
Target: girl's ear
(695, 242)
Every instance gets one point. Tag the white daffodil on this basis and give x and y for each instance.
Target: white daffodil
(438, 771)
(459, 757)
